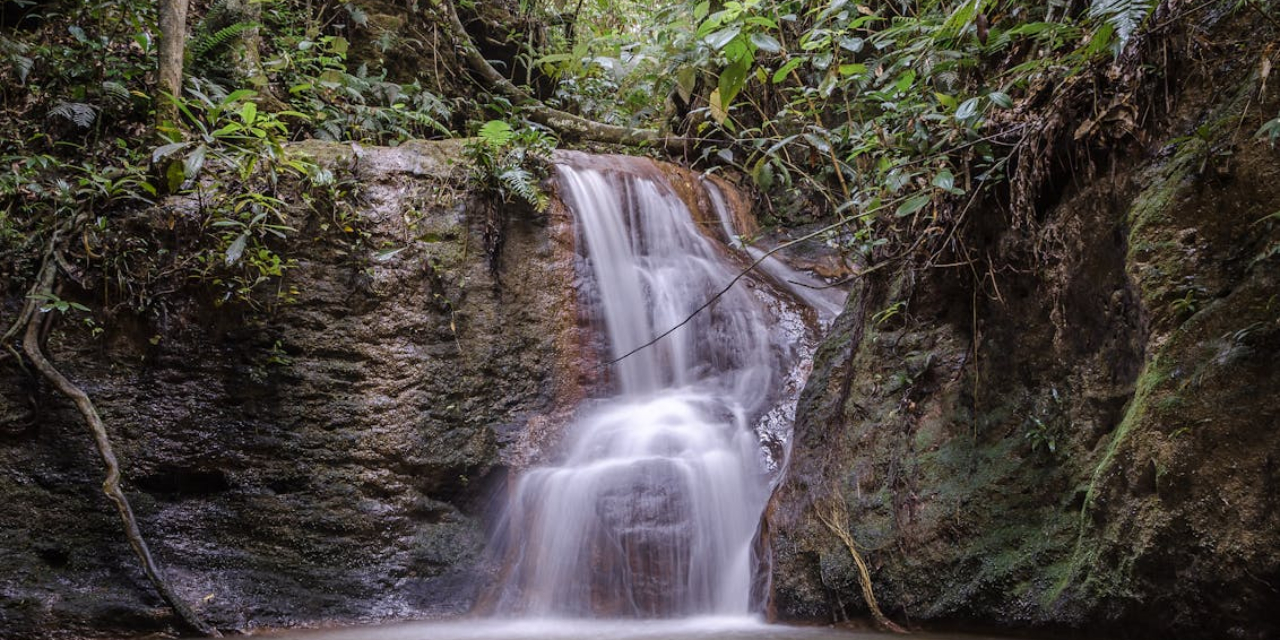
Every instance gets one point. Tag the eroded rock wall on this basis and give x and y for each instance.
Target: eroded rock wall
(1089, 440)
(325, 461)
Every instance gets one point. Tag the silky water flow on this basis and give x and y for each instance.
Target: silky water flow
(653, 509)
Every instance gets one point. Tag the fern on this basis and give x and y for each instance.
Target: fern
(519, 182)
(115, 90)
(496, 133)
(78, 113)
(210, 42)
(329, 130)
(1121, 17)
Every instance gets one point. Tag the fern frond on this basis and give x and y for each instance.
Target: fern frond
(496, 133)
(1123, 16)
(78, 113)
(519, 182)
(115, 90)
(214, 41)
(329, 130)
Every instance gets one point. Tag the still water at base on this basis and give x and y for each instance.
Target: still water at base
(704, 628)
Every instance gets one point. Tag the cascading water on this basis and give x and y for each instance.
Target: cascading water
(654, 509)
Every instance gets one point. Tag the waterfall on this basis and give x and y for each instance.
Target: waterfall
(653, 508)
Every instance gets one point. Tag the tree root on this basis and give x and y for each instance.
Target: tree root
(834, 517)
(562, 122)
(31, 345)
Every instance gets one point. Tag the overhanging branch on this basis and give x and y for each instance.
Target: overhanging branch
(565, 123)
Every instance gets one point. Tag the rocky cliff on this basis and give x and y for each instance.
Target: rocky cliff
(1078, 427)
(326, 460)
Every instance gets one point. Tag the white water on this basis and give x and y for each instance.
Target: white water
(826, 300)
(653, 510)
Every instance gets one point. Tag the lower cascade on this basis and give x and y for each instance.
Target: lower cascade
(654, 507)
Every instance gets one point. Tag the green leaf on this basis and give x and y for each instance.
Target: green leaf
(194, 162)
(174, 176)
(739, 50)
(766, 43)
(167, 150)
(913, 204)
(906, 81)
(1270, 130)
(731, 81)
(238, 95)
(723, 37)
(945, 180)
(785, 70)
(761, 21)
(686, 81)
(330, 78)
(339, 45)
(237, 248)
(853, 69)
(718, 111)
(700, 11)
(967, 109)
(819, 143)
(852, 44)
(387, 254)
(1000, 99)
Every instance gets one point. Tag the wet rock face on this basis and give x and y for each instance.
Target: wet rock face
(324, 462)
(1092, 448)
(640, 555)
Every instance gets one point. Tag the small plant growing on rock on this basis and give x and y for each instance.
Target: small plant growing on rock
(507, 165)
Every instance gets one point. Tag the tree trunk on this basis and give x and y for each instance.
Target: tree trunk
(247, 54)
(246, 57)
(173, 41)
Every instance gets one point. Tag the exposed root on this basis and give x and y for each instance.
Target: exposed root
(834, 517)
(31, 345)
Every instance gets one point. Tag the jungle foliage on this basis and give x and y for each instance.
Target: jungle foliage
(883, 120)
(875, 125)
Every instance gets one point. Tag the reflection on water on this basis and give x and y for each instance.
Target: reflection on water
(700, 628)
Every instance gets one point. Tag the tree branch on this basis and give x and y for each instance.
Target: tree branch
(111, 485)
(563, 122)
